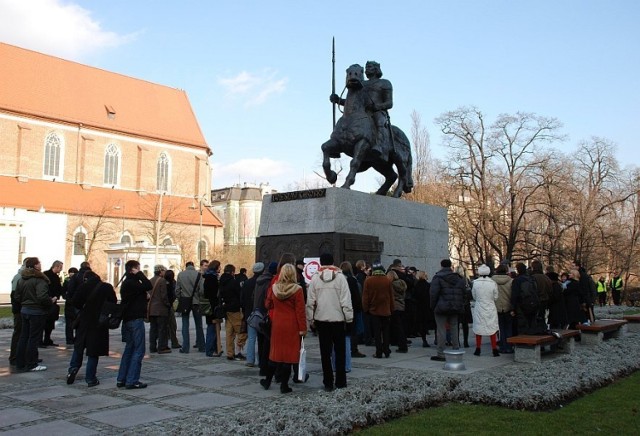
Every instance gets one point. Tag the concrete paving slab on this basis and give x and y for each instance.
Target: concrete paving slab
(213, 381)
(79, 404)
(41, 393)
(51, 428)
(154, 391)
(127, 417)
(16, 415)
(175, 374)
(204, 401)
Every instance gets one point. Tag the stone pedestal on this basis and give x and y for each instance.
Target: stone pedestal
(353, 225)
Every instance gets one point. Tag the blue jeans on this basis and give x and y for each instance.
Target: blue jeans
(92, 364)
(30, 337)
(211, 343)
(197, 319)
(131, 362)
(252, 335)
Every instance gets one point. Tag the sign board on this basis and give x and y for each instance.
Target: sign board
(311, 266)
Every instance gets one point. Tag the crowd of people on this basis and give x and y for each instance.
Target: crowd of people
(266, 316)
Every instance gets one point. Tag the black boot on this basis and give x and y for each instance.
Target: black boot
(496, 353)
(266, 382)
(284, 388)
(477, 352)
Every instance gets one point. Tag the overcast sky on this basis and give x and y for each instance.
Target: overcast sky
(258, 73)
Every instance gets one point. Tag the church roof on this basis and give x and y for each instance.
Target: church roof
(51, 88)
(73, 199)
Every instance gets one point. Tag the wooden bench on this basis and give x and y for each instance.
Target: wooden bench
(528, 347)
(602, 329)
(633, 323)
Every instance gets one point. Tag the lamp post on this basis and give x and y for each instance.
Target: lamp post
(200, 207)
(158, 224)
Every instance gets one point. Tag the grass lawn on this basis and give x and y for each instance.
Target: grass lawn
(613, 410)
(5, 311)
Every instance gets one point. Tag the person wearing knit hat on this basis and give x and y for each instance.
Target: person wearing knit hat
(377, 301)
(485, 313)
(247, 295)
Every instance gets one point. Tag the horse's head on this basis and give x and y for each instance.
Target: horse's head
(355, 76)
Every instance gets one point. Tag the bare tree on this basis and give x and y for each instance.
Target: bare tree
(100, 227)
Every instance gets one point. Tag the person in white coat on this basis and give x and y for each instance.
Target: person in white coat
(485, 313)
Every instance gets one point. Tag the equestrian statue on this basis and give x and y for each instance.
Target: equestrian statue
(365, 133)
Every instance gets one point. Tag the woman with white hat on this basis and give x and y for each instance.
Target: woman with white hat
(485, 313)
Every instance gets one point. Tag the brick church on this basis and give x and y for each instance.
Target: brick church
(99, 166)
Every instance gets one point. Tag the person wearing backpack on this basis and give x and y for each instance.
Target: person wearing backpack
(526, 303)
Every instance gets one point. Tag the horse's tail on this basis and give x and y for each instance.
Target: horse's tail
(403, 149)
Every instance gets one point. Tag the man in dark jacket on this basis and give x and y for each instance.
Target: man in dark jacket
(447, 302)
(259, 295)
(55, 290)
(528, 319)
(230, 296)
(70, 312)
(134, 302)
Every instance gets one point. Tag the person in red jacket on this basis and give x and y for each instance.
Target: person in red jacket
(285, 300)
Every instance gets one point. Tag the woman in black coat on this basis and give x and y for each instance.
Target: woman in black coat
(426, 318)
(573, 300)
(89, 299)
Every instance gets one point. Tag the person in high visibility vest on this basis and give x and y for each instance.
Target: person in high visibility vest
(602, 291)
(615, 285)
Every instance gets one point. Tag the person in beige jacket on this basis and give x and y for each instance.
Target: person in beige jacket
(330, 311)
(503, 304)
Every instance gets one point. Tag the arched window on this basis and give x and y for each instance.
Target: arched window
(79, 244)
(202, 250)
(162, 184)
(52, 155)
(111, 165)
(125, 239)
(167, 242)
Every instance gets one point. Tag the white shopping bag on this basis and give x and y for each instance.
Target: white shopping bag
(302, 364)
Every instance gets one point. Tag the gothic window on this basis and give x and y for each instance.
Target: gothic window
(125, 239)
(111, 165)
(163, 173)
(167, 242)
(52, 154)
(79, 244)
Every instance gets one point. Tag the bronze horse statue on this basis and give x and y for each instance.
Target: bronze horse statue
(354, 135)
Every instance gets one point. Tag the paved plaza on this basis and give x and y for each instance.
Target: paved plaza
(180, 387)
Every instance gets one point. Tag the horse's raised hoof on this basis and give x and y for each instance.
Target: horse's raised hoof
(332, 177)
(346, 186)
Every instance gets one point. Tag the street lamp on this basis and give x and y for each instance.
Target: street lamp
(200, 206)
(158, 224)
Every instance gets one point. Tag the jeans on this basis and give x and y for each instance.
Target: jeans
(505, 323)
(252, 334)
(131, 362)
(15, 337)
(30, 336)
(197, 319)
(92, 364)
(211, 343)
(331, 335)
(441, 320)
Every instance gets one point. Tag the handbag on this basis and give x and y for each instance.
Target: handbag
(219, 312)
(153, 291)
(186, 303)
(302, 363)
(110, 315)
(254, 319)
(54, 313)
